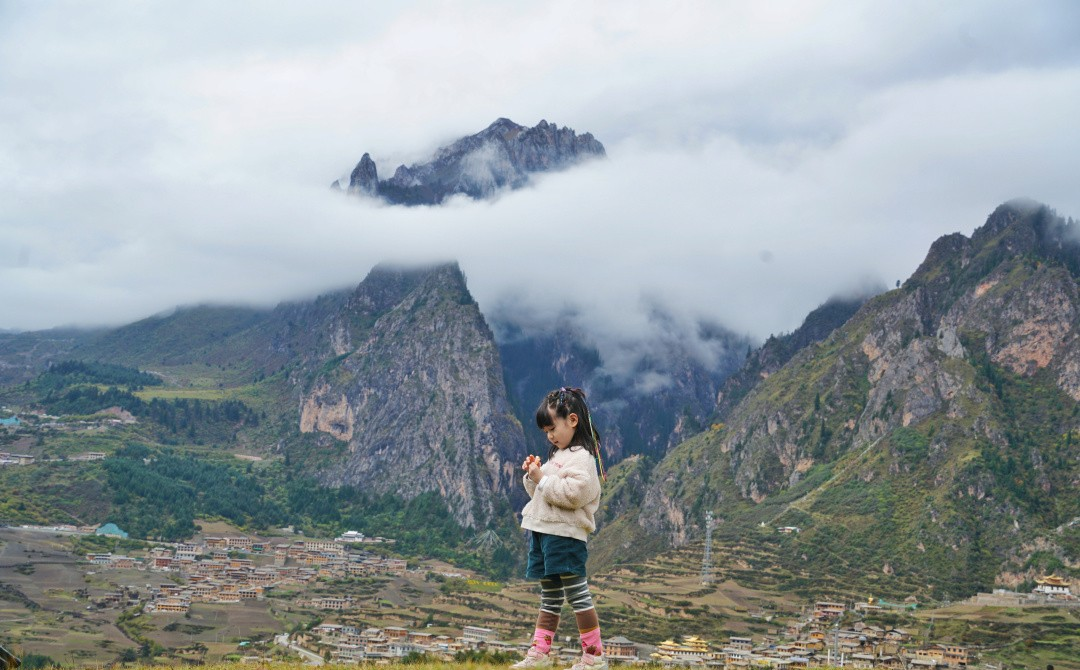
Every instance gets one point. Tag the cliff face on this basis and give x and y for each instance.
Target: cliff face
(502, 156)
(933, 431)
(418, 401)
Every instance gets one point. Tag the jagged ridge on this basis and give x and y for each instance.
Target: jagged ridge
(502, 156)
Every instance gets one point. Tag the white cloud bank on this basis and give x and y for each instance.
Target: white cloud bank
(761, 156)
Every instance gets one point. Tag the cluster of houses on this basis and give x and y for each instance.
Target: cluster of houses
(860, 646)
(351, 644)
(813, 642)
(8, 458)
(814, 645)
(818, 640)
(220, 570)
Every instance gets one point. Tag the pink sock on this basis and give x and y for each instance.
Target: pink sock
(542, 639)
(590, 642)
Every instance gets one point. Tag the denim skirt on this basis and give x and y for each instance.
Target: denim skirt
(555, 555)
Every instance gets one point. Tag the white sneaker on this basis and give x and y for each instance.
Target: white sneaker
(590, 662)
(534, 658)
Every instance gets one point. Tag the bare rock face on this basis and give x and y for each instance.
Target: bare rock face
(328, 414)
(502, 156)
(364, 179)
(419, 401)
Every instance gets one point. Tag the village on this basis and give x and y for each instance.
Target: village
(233, 568)
(219, 569)
(815, 645)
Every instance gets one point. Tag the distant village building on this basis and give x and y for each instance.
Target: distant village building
(828, 610)
(7, 458)
(328, 602)
(477, 634)
(241, 543)
(621, 649)
(1053, 585)
(691, 648)
(89, 456)
(329, 547)
(186, 552)
(941, 654)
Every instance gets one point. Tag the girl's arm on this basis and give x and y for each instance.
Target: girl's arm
(575, 485)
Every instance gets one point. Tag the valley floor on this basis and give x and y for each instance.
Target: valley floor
(51, 606)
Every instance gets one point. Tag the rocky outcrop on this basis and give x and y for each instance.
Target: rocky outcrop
(419, 401)
(502, 156)
(325, 413)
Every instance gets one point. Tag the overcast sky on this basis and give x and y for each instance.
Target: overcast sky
(761, 156)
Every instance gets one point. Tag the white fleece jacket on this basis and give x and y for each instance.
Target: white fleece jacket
(568, 497)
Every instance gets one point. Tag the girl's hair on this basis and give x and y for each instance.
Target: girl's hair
(563, 402)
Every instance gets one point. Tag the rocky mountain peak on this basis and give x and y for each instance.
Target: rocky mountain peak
(504, 128)
(1016, 229)
(502, 156)
(364, 179)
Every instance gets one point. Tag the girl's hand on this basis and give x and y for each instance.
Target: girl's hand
(529, 461)
(534, 471)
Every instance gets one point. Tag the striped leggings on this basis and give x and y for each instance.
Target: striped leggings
(573, 588)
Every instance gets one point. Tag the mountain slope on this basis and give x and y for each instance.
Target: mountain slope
(419, 404)
(778, 350)
(924, 447)
(23, 355)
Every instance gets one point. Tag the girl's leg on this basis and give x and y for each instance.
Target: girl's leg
(551, 599)
(547, 622)
(577, 592)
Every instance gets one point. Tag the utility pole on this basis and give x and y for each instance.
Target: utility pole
(706, 560)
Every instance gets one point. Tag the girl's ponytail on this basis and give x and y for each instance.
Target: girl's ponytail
(571, 400)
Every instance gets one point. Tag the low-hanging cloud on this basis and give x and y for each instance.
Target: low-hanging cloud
(760, 159)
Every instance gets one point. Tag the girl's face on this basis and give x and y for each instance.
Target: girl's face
(562, 431)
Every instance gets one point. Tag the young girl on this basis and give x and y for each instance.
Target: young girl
(565, 494)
